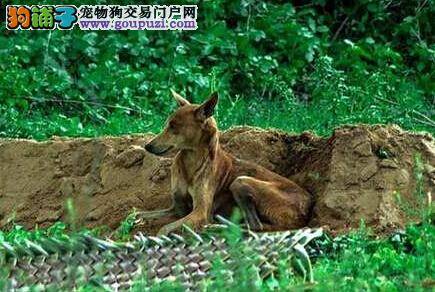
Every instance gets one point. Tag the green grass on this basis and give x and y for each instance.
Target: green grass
(275, 65)
(338, 101)
(400, 263)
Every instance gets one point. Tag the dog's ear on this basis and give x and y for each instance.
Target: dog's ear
(180, 100)
(206, 109)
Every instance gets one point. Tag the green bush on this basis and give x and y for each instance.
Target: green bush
(296, 67)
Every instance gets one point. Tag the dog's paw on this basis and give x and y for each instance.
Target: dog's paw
(173, 227)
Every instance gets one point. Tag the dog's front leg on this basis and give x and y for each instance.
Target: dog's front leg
(194, 220)
(180, 195)
(200, 215)
(180, 205)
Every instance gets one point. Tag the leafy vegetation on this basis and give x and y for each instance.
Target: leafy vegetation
(295, 67)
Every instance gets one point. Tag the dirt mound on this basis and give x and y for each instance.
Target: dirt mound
(354, 174)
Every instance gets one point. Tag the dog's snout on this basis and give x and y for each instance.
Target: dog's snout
(149, 147)
(156, 148)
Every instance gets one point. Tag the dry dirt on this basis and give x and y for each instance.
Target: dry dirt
(354, 174)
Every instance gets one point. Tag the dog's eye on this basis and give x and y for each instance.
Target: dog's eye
(172, 127)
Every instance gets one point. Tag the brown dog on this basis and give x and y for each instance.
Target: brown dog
(214, 178)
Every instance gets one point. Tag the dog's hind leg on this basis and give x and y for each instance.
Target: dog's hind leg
(243, 195)
(282, 204)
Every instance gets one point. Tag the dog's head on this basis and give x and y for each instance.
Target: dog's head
(190, 126)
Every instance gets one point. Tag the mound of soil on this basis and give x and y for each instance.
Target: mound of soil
(357, 173)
